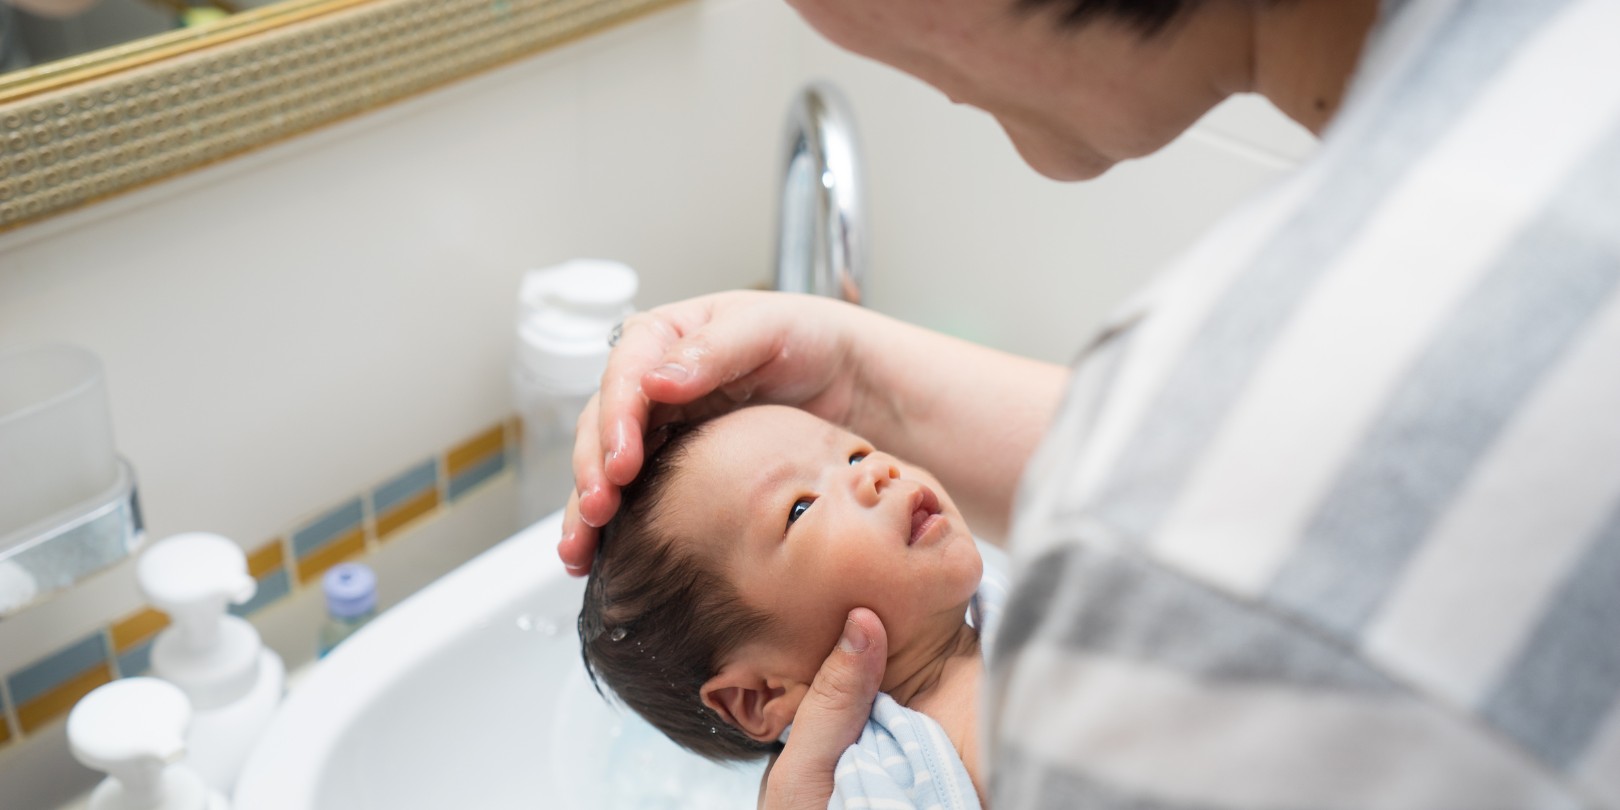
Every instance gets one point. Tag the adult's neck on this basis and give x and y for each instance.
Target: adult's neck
(1306, 52)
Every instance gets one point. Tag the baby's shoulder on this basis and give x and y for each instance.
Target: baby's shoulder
(903, 755)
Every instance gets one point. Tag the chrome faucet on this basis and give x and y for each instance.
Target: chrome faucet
(821, 244)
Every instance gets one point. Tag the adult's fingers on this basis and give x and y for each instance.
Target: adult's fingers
(831, 717)
(598, 499)
(694, 359)
(622, 406)
(577, 546)
(590, 502)
(608, 450)
(727, 350)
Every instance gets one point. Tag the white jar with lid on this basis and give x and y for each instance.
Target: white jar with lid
(566, 314)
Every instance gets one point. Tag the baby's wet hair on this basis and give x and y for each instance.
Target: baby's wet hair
(657, 620)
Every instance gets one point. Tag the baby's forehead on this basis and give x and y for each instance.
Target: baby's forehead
(736, 456)
(788, 427)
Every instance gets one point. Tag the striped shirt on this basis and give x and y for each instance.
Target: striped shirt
(1331, 514)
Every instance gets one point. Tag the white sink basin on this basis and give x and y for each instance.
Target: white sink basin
(471, 694)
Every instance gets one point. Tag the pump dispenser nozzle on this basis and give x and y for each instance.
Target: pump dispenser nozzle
(134, 730)
(194, 577)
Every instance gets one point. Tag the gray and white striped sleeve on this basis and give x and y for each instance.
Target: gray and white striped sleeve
(1333, 518)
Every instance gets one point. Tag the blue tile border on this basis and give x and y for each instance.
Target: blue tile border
(49, 672)
(272, 586)
(413, 482)
(477, 474)
(322, 530)
(136, 660)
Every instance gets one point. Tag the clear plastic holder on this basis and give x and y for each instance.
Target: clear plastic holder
(64, 548)
(68, 505)
(56, 438)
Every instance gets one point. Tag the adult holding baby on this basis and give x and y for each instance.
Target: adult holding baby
(1331, 515)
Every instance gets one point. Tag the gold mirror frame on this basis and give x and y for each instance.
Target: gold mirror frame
(84, 129)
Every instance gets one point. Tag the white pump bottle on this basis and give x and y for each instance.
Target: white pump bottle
(233, 682)
(134, 730)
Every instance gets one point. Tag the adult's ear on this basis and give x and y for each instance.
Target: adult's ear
(749, 700)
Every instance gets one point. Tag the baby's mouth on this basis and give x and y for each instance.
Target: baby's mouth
(924, 514)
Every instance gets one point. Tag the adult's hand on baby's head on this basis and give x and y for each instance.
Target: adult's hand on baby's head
(695, 359)
(831, 717)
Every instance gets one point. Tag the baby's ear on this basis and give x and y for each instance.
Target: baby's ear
(747, 700)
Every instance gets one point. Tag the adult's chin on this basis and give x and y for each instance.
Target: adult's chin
(1065, 163)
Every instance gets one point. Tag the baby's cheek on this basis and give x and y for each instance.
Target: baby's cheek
(860, 578)
(816, 633)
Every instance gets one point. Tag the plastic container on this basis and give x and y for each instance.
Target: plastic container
(134, 730)
(565, 316)
(351, 601)
(233, 682)
(56, 440)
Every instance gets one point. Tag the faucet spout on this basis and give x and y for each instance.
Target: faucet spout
(821, 245)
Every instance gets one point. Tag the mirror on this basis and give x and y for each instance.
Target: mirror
(39, 32)
(89, 126)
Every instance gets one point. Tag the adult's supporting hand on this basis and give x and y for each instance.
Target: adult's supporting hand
(830, 719)
(694, 359)
(969, 414)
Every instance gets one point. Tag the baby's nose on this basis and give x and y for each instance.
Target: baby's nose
(874, 474)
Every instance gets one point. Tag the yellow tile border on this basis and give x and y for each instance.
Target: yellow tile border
(5, 730)
(136, 628)
(266, 558)
(352, 544)
(402, 514)
(72, 145)
(478, 448)
(55, 703)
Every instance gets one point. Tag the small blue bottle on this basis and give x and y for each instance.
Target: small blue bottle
(351, 601)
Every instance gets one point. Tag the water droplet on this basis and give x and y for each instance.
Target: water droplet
(618, 634)
(712, 730)
(525, 622)
(545, 628)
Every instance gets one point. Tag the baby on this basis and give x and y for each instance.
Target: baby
(729, 571)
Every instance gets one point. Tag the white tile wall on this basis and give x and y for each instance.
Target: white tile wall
(283, 330)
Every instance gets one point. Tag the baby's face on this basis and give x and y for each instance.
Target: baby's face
(811, 521)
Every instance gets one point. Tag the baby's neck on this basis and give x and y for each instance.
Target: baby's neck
(914, 676)
(945, 686)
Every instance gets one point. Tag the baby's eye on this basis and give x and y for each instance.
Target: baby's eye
(800, 506)
(856, 459)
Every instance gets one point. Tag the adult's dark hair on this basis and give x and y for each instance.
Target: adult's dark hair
(1147, 16)
(658, 620)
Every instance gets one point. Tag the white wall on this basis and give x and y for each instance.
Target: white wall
(288, 328)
